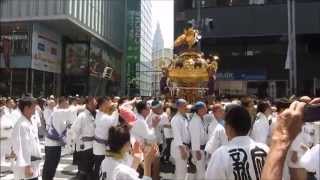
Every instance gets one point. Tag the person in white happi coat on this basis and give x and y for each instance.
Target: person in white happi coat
(198, 134)
(145, 134)
(261, 127)
(241, 158)
(157, 113)
(118, 163)
(140, 130)
(181, 139)
(83, 132)
(48, 109)
(6, 127)
(167, 131)
(216, 132)
(56, 137)
(25, 142)
(104, 120)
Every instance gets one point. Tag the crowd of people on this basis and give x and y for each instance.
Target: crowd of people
(113, 138)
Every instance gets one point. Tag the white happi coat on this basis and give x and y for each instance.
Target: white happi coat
(198, 132)
(60, 118)
(142, 132)
(6, 127)
(103, 123)
(239, 159)
(179, 126)
(261, 129)
(216, 136)
(83, 127)
(159, 127)
(25, 143)
(112, 169)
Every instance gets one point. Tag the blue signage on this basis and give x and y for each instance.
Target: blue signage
(241, 75)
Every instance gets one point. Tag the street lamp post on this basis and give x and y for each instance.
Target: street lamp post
(292, 46)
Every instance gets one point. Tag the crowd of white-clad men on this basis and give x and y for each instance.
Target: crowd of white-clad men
(122, 138)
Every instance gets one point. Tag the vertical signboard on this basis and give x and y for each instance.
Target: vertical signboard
(46, 49)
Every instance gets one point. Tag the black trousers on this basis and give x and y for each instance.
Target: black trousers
(86, 161)
(51, 161)
(97, 163)
(166, 152)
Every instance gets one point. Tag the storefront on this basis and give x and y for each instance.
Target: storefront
(30, 60)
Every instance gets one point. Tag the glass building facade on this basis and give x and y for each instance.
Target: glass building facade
(34, 31)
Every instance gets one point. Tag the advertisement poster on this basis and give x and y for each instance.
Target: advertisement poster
(77, 56)
(46, 50)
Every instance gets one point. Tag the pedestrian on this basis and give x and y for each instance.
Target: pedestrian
(83, 133)
(25, 142)
(145, 134)
(56, 137)
(261, 127)
(103, 122)
(181, 139)
(216, 132)
(198, 134)
(241, 157)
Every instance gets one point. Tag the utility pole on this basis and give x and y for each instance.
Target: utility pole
(292, 46)
(199, 21)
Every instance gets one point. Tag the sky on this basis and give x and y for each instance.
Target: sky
(162, 12)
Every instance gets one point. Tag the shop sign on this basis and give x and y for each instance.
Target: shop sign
(241, 75)
(46, 49)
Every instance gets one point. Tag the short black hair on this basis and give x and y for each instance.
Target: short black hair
(88, 99)
(140, 106)
(263, 106)
(62, 99)
(26, 101)
(239, 119)
(101, 100)
(118, 137)
(122, 100)
(246, 101)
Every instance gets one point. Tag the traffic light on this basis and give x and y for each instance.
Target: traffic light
(107, 72)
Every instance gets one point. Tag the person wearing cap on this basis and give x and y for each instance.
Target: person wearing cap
(25, 142)
(104, 120)
(241, 157)
(198, 133)
(83, 133)
(181, 139)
